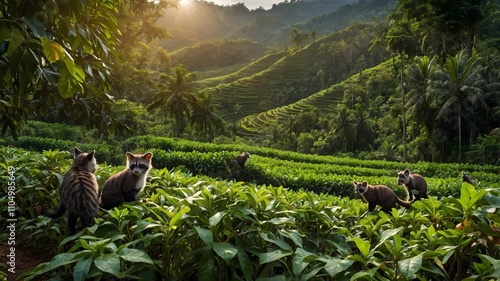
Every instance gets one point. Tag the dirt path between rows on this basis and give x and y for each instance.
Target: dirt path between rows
(23, 259)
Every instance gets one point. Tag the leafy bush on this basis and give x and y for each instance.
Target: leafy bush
(189, 227)
(192, 228)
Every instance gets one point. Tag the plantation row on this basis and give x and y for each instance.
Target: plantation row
(198, 228)
(321, 174)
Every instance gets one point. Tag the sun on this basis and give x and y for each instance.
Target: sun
(184, 2)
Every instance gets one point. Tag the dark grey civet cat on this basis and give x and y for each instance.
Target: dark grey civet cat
(79, 191)
(126, 185)
(413, 182)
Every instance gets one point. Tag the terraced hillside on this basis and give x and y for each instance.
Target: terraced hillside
(248, 70)
(323, 101)
(269, 88)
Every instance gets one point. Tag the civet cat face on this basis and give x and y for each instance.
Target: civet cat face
(139, 163)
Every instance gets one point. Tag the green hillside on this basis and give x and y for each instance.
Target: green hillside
(285, 81)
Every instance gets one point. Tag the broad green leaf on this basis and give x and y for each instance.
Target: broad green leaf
(57, 261)
(336, 265)
(494, 263)
(298, 261)
(280, 243)
(134, 255)
(408, 267)
(293, 235)
(177, 216)
(16, 39)
(363, 246)
(82, 269)
(225, 250)
(215, 219)
(386, 234)
(36, 26)
(75, 70)
(109, 263)
(206, 235)
(144, 224)
(272, 256)
(206, 267)
(52, 50)
(246, 264)
(469, 196)
(65, 84)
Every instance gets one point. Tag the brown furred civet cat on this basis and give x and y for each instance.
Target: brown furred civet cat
(126, 185)
(378, 195)
(242, 158)
(467, 178)
(79, 191)
(413, 182)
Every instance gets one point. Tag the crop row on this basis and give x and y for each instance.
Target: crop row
(197, 228)
(321, 174)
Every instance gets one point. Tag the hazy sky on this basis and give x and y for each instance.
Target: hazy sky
(251, 4)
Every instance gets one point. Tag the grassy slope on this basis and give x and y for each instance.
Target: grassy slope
(258, 91)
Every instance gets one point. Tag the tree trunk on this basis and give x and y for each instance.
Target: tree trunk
(459, 134)
(403, 110)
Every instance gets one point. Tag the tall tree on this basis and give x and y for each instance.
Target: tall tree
(298, 38)
(446, 26)
(420, 106)
(138, 58)
(176, 96)
(343, 127)
(203, 116)
(401, 41)
(54, 59)
(456, 87)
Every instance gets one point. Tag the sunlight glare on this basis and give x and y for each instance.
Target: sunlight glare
(184, 2)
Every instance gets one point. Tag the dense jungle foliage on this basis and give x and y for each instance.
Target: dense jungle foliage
(192, 226)
(321, 91)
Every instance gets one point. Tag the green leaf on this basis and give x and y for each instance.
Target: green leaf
(246, 264)
(15, 40)
(206, 235)
(298, 261)
(177, 216)
(335, 266)
(363, 246)
(206, 267)
(82, 269)
(215, 219)
(52, 50)
(386, 234)
(65, 84)
(57, 261)
(469, 196)
(280, 243)
(75, 70)
(134, 255)
(109, 263)
(144, 224)
(225, 250)
(272, 256)
(408, 267)
(36, 26)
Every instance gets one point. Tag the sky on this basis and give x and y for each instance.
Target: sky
(250, 4)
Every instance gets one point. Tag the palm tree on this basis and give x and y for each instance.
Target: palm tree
(343, 126)
(457, 88)
(203, 116)
(419, 100)
(176, 97)
(363, 128)
(298, 38)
